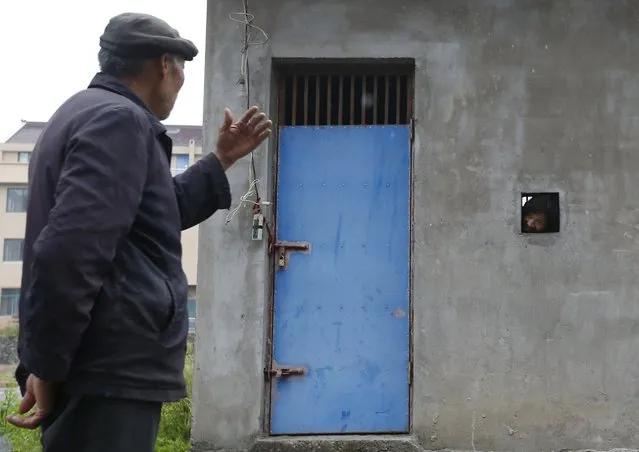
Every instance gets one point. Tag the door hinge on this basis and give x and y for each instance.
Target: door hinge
(284, 249)
(284, 372)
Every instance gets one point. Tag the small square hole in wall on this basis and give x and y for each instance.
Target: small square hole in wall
(540, 213)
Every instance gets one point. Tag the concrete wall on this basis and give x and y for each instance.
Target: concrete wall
(521, 343)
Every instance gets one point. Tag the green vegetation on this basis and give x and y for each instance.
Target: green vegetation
(10, 331)
(175, 427)
(20, 440)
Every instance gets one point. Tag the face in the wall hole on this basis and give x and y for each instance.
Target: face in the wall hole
(535, 222)
(170, 78)
(540, 213)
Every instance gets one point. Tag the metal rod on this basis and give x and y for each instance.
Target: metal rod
(386, 100)
(362, 102)
(398, 100)
(294, 103)
(340, 107)
(375, 100)
(410, 92)
(317, 101)
(306, 100)
(352, 121)
(281, 101)
(329, 95)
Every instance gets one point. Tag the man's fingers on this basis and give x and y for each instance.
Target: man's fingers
(228, 119)
(262, 136)
(30, 422)
(248, 115)
(255, 120)
(27, 402)
(263, 127)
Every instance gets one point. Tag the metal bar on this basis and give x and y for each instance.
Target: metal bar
(375, 99)
(340, 107)
(329, 95)
(386, 90)
(281, 100)
(356, 68)
(363, 99)
(294, 102)
(398, 100)
(306, 100)
(323, 91)
(410, 93)
(317, 101)
(277, 371)
(286, 372)
(352, 121)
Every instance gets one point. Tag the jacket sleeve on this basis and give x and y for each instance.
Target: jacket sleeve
(96, 201)
(201, 190)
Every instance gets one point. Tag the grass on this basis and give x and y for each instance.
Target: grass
(10, 330)
(175, 427)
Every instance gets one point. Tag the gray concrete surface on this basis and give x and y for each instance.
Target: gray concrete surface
(332, 443)
(521, 344)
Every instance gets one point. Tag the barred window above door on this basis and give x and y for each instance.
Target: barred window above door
(348, 94)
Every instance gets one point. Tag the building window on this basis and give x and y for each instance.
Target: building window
(13, 250)
(191, 308)
(24, 157)
(9, 299)
(181, 163)
(16, 200)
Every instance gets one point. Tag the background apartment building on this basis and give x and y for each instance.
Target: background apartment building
(15, 155)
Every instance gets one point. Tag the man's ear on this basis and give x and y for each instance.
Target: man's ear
(165, 64)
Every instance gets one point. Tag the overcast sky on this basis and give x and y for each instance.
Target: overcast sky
(49, 51)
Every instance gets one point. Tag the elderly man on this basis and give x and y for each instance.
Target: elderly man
(103, 310)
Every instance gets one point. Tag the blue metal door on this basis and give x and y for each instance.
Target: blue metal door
(341, 311)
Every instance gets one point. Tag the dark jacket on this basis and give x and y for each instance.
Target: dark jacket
(104, 297)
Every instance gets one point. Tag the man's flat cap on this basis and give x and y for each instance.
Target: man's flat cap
(135, 35)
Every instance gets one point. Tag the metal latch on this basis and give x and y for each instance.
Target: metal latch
(284, 249)
(285, 371)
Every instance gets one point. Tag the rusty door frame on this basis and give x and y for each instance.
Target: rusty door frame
(346, 66)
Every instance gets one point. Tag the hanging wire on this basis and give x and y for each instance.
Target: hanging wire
(247, 18)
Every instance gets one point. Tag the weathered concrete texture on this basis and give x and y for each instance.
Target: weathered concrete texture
(352, 445)
(333, 444)
(521, 344)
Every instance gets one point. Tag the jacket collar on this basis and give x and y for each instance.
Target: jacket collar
(110, 83)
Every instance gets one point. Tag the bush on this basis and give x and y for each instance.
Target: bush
(175, 427)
